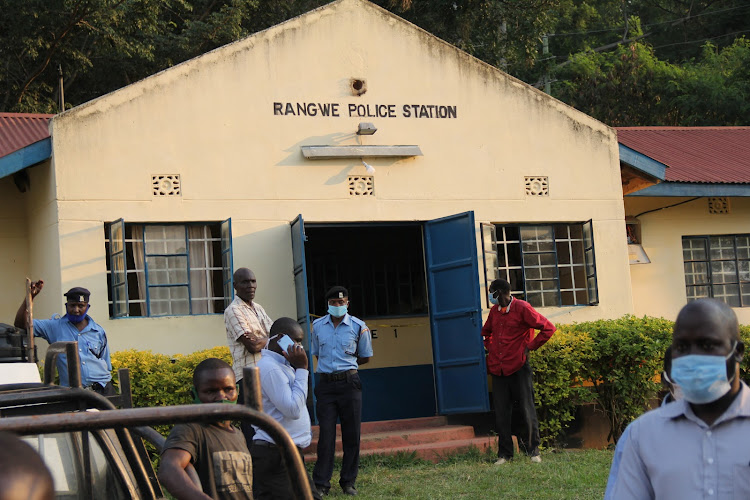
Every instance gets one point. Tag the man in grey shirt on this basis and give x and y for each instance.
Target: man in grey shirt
(699, 446)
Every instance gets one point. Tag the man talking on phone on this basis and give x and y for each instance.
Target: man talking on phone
(283, 381)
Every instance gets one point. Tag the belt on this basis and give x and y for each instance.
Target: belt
(332, 377)
(266, 444)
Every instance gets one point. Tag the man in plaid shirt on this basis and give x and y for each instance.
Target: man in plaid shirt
(247, 326)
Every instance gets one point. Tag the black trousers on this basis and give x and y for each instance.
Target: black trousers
(105, 390)
(340, 399)
(245, 427)
(506, 390)
(270, 478)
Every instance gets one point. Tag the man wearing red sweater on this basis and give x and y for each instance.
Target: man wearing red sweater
(508, 336)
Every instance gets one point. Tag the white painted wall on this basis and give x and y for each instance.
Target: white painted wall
(211, 121)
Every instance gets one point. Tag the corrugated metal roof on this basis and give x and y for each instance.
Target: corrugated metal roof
(18, 130)
(694, 154)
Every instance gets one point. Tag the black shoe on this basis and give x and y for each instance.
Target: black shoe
(322, 490)
(349, 490)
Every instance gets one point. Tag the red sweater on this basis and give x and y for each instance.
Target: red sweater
(508, 335)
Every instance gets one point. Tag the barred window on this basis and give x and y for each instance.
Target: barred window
(549, 265)
(168, 269)
(717, 267)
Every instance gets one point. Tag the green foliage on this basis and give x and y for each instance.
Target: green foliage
(558, 381)
(158, 380)
(627, 354)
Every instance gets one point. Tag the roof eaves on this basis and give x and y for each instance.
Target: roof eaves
(25, 157)
(641, 162)
(685, 189)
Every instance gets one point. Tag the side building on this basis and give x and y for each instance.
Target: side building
(693, 224)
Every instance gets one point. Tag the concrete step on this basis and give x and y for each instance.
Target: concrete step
(404, 437)
(393, 425)
(433, 452)
(431, 438)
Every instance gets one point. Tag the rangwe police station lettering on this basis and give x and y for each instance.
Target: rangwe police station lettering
(336, 109)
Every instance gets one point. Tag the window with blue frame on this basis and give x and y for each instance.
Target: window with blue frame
(548, 265)
(718, 267)
(165, 269)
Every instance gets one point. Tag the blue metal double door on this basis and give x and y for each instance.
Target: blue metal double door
(453, 289)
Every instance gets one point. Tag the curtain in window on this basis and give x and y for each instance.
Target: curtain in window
(201, 276)
(140, 270)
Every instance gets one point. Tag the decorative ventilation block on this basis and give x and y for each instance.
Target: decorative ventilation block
(166, 185)
(718, 205)
(537, 186)
(361, 185)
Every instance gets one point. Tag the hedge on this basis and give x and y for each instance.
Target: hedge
(611, 363)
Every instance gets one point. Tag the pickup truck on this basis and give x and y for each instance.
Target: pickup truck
(95, 450)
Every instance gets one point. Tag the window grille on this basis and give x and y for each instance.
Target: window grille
(718, 267)
(168, 269)
(549, 265)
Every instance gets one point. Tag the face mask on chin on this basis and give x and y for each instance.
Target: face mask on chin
(702, 378)
(337, 311)
(77, 318)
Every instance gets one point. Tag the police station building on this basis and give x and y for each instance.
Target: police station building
(345, 146)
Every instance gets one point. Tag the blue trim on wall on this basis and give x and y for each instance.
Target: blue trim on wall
(684, 189)
(25, 157)
(641, 162)
(397, 392)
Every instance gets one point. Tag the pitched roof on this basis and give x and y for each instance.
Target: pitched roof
(18, 130)
(694, 154)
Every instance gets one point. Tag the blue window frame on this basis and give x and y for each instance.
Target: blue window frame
(169, 269)
(548, 265)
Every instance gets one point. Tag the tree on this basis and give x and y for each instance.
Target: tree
(103, 45)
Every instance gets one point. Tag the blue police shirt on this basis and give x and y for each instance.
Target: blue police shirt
(338, 348)
(92, 348)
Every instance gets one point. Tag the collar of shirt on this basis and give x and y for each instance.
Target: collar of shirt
(276, 356)
(347, 319)
(738, 408)
(91, 326)
(506, 309)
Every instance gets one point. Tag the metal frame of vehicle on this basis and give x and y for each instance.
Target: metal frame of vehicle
(34, 409)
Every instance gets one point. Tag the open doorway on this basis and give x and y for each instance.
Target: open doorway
(382, 265)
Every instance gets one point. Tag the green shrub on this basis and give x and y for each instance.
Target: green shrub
(627, 356)
(558, 381)
(161, 380)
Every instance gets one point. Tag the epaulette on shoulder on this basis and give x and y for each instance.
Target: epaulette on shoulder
(319, 320)
(361, 323)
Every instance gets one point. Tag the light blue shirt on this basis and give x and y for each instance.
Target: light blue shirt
(614, 469)
(670, 453)
(617, 458)
(92, 348)
(284, 392)
(338, 348)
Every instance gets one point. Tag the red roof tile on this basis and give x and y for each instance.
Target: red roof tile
(694, 154)
(18, 130)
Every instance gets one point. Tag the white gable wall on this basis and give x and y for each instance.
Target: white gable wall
(211, 120)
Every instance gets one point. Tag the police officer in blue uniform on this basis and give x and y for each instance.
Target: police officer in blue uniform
(340, 343)
(78, 326)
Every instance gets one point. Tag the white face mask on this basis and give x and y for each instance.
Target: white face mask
(703, 378)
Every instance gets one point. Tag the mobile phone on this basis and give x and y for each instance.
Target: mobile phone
(285, 342)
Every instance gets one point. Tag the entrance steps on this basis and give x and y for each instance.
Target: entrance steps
(432, 438)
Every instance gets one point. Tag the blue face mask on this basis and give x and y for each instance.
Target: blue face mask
(77, 319)
(702, 378)
(337, 311)
(493, 300)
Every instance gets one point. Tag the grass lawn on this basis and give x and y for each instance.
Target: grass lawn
(568, 474)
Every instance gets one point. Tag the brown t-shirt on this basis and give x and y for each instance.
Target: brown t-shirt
(220, 458)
